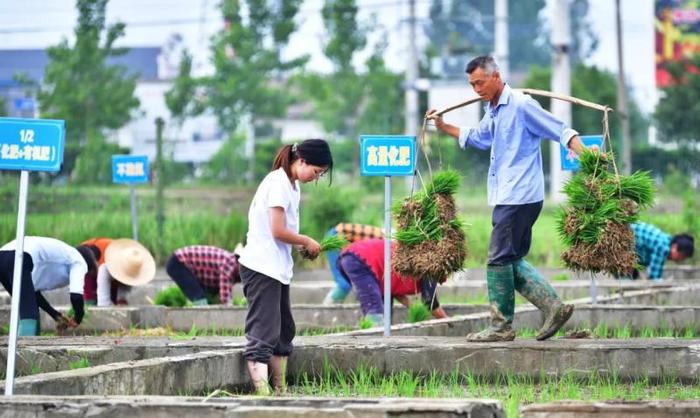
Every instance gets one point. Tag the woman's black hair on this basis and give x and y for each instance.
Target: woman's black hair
(95, 250)
(88, 256)
(313, 151)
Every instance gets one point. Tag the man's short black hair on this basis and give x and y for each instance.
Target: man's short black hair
(685, 244)
(485, 62)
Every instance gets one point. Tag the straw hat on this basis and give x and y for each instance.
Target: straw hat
(130, 262)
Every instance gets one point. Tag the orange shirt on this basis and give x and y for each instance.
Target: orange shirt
(102, 244)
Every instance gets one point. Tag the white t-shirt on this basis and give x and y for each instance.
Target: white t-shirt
(263, 253)
(56, 264)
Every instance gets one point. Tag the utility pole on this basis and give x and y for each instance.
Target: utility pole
(561, 83)
(411, 122)
(160, 185)
(622, 97)
(501, 42)
(249, 149)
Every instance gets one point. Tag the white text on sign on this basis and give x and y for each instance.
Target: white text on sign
(130, 169)
(388, 156)
(25, 152)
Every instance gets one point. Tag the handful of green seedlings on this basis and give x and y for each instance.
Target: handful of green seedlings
(171, 296)
(430, 238)
(594, 224)
(329, 243)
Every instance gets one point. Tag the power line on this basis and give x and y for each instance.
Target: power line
(147, 23)
(189, 21)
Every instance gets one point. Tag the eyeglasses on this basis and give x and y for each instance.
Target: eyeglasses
(319, 174)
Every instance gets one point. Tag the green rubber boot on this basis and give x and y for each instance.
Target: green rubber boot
(500, 281)
(28, 328)
(200, 302)
(530, 283)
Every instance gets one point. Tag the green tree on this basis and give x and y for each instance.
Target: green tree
(676, 112)
(337, 96)
(347, 101)
(465, 28)
(228, 164)
(249, 74)
(248, 66)
(80, 87)
(181, 98)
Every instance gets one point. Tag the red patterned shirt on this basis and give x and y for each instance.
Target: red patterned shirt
(214, 268)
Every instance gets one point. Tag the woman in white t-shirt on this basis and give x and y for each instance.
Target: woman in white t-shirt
(266, 261)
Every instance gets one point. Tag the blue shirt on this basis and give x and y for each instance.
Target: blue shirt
(513, 130)
(652, 246)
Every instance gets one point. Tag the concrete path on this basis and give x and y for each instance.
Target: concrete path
(641, 409)
(243, 407)
(217, 362)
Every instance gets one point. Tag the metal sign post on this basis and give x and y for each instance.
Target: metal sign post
(569, 162)
(26, 145)
(594, 289)
(387, 156)
(130, 169)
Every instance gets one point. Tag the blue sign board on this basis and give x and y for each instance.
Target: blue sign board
(31, 144)
(129, 169)
(569, 159)
(387, 155)
(24, 104)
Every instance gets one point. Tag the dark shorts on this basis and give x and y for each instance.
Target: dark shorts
(512, 232)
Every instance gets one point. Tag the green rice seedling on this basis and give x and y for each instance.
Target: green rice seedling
(212, 298)
(333, 243)
(70, 313)
(192, 333)
(365, 323)
(622, 333)
(329, 243)
(433, 385)
(323, 331)
(601, 330)
(407, 383)
(688, 333)
(239, 301)
(560, 277)
(527, 333)
(647, 332)
(81, 363)
(418, 312)
(666, 332)
(171, 296)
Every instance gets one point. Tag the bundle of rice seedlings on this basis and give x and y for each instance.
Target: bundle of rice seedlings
(594, 224)
(329, 243)
(417, 312)
(171, 296)
(430, 237)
